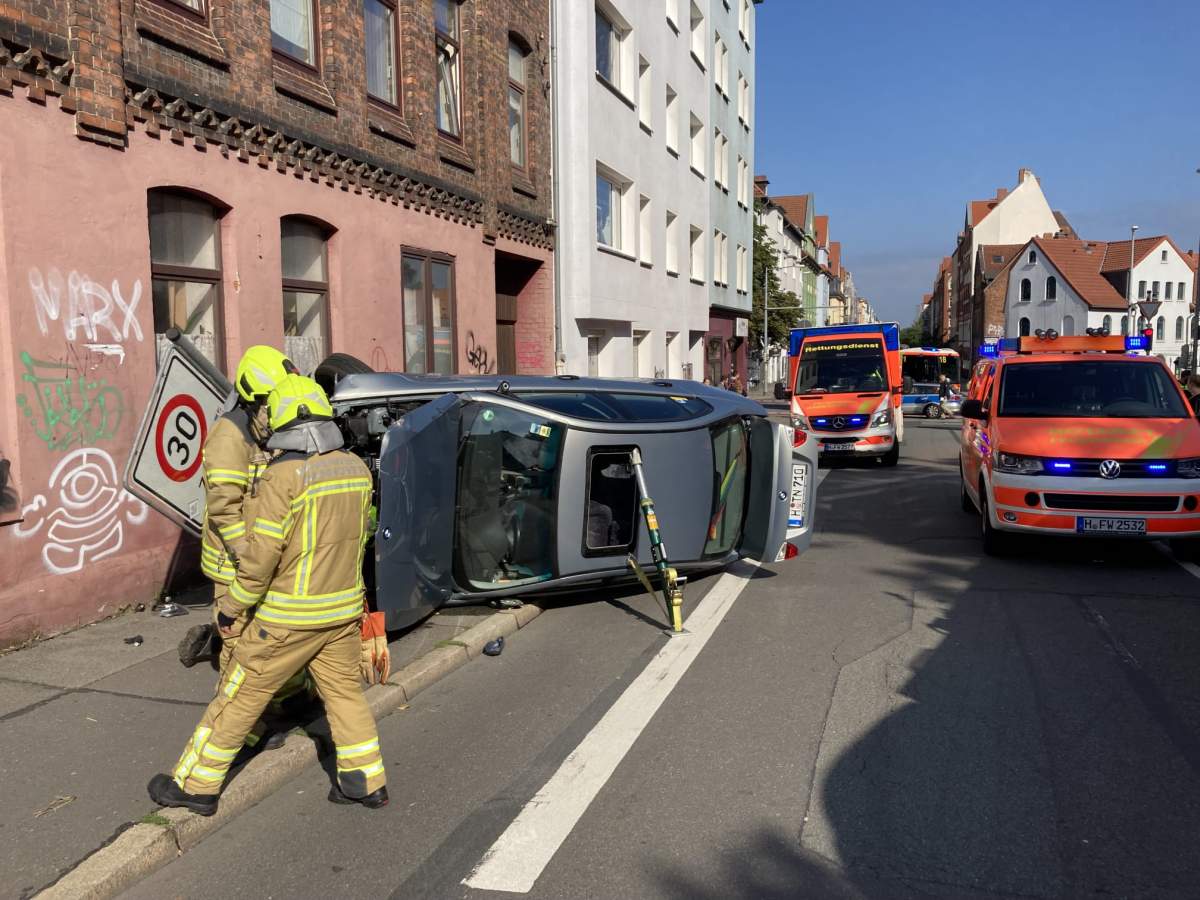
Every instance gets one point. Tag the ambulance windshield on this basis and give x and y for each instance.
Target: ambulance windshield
(841, 367)
(1101, 389)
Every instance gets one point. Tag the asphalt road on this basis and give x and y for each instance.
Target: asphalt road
(891, 715)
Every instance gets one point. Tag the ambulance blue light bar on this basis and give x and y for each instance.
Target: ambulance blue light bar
(989, 350)
(1138, 342)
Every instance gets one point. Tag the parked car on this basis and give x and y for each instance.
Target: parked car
(491, 487)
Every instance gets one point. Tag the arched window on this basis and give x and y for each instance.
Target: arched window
(185, 268)
(1024, 327)
(1032, 257)
(305, 268)
(1051, 288)
(1125, 325)
(1107, 323)
(1179, 328)
(1068, 328)
(1026, 289)
(1160, 331)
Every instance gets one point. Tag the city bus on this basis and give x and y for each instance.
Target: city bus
(926, 365)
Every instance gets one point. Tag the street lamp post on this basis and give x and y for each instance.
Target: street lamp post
(1132, 316)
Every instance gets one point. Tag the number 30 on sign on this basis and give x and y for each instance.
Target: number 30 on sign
(179, 437)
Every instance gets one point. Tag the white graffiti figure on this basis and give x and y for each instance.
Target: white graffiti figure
(84, 519)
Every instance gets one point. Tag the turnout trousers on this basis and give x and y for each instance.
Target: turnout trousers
(265, 658)
(298, 684)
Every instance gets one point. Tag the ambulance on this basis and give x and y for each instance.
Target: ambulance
(846, 390)
(1084, 435)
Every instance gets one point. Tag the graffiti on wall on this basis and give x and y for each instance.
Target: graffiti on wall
(68, 408)
(478, 358)
(83, 515)
(86, 309)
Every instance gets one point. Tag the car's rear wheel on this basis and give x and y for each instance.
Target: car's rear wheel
(337, 366)
(995, 543)
(892, 456)
(933, 410)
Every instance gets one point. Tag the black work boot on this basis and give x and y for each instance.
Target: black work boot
(373, 800)
(165, 792)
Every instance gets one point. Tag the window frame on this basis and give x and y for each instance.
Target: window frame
(315, 65)
(181, 6)
(196, 275)
(456, 43)
(309, 287)
(396, 104)
(428, 258)
(1051, 287)
(671, 120)
(522, 90)
(620, 190)
(613, 77)
(1025, 291)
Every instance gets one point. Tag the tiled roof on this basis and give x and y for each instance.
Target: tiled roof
(821, 227)
(1063, 225)
(993, 257)
(835, 257)
(795, 207)
(1117, 257)
(1079, 263)
(980, 209)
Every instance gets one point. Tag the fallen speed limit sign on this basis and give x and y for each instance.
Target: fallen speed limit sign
(180, 436)
(164, 468)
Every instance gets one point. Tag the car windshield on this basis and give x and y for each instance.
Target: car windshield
(602, 406)
(841, 367)
(1099, 389)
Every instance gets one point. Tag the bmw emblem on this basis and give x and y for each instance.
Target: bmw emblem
(1110, 468)
(839, 422)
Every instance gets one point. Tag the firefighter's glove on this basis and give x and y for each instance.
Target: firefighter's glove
(375, 663)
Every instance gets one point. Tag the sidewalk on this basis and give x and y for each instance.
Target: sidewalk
(86, 719)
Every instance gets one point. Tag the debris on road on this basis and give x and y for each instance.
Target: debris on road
(56, 803)
(494, 648)
(136, 640)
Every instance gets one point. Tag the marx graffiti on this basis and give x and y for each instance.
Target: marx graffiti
(67, 408)
(83, 515)
(478, 358)
(86, 309)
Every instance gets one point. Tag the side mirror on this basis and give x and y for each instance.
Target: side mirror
(973, 409)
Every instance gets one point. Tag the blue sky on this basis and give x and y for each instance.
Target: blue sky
(894, 115)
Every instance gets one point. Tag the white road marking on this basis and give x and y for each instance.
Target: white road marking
(518, 857)
(822, 474)
(1189, 567)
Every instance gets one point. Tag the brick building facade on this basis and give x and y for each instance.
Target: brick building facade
(369, 178)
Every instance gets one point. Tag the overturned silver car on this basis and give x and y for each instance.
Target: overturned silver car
(492, 487)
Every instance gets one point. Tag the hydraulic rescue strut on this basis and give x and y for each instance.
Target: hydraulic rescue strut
(672, 591)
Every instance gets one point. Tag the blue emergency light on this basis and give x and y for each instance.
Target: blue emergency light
(989, 350)
(1138, 342)
(1157, 467)
(1061, 466)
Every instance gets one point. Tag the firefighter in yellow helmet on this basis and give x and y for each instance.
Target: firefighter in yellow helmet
(234, 458)
(301, 573)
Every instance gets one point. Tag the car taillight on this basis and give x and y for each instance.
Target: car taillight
(799, 437)
(790, 550)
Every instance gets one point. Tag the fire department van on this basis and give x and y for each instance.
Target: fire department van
(1079, 436)
(846, 390)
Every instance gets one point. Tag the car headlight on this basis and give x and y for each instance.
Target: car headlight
(883, 417)
(1188, 468)
(800, 422)
(1017, 465)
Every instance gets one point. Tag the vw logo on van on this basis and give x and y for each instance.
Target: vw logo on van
(1110, 468)
(839, 422)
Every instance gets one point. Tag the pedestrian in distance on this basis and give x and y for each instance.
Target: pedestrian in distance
(301, 575)
(944, 394)
(1193, 391)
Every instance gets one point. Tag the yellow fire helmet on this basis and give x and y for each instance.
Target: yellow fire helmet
(297, 399)
(260, 369)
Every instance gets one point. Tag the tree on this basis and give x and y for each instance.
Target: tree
(780, 321)
(911, 335)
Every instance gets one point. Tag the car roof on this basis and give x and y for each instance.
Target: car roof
(379, 385)
(1076, 357)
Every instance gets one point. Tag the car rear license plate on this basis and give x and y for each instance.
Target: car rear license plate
(1097, 525)
(799, 496)
(837, 448)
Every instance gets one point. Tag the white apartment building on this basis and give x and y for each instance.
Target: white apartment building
(789, 270)
(1070, 285)
(730, 25)
(640, 256)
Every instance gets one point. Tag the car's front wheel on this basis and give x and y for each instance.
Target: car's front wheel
(933, 410)
(892, 456)
(995, 542)
(337, 366)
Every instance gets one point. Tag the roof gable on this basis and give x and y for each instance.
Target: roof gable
(1080, 265)
(795, 207)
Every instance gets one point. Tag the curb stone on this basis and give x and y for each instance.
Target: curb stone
(144, 848)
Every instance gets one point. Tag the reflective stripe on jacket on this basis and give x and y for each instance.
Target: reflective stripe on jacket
(233, 464)
(302, 564)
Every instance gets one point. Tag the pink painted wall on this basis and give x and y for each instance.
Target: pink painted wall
(76, 214)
